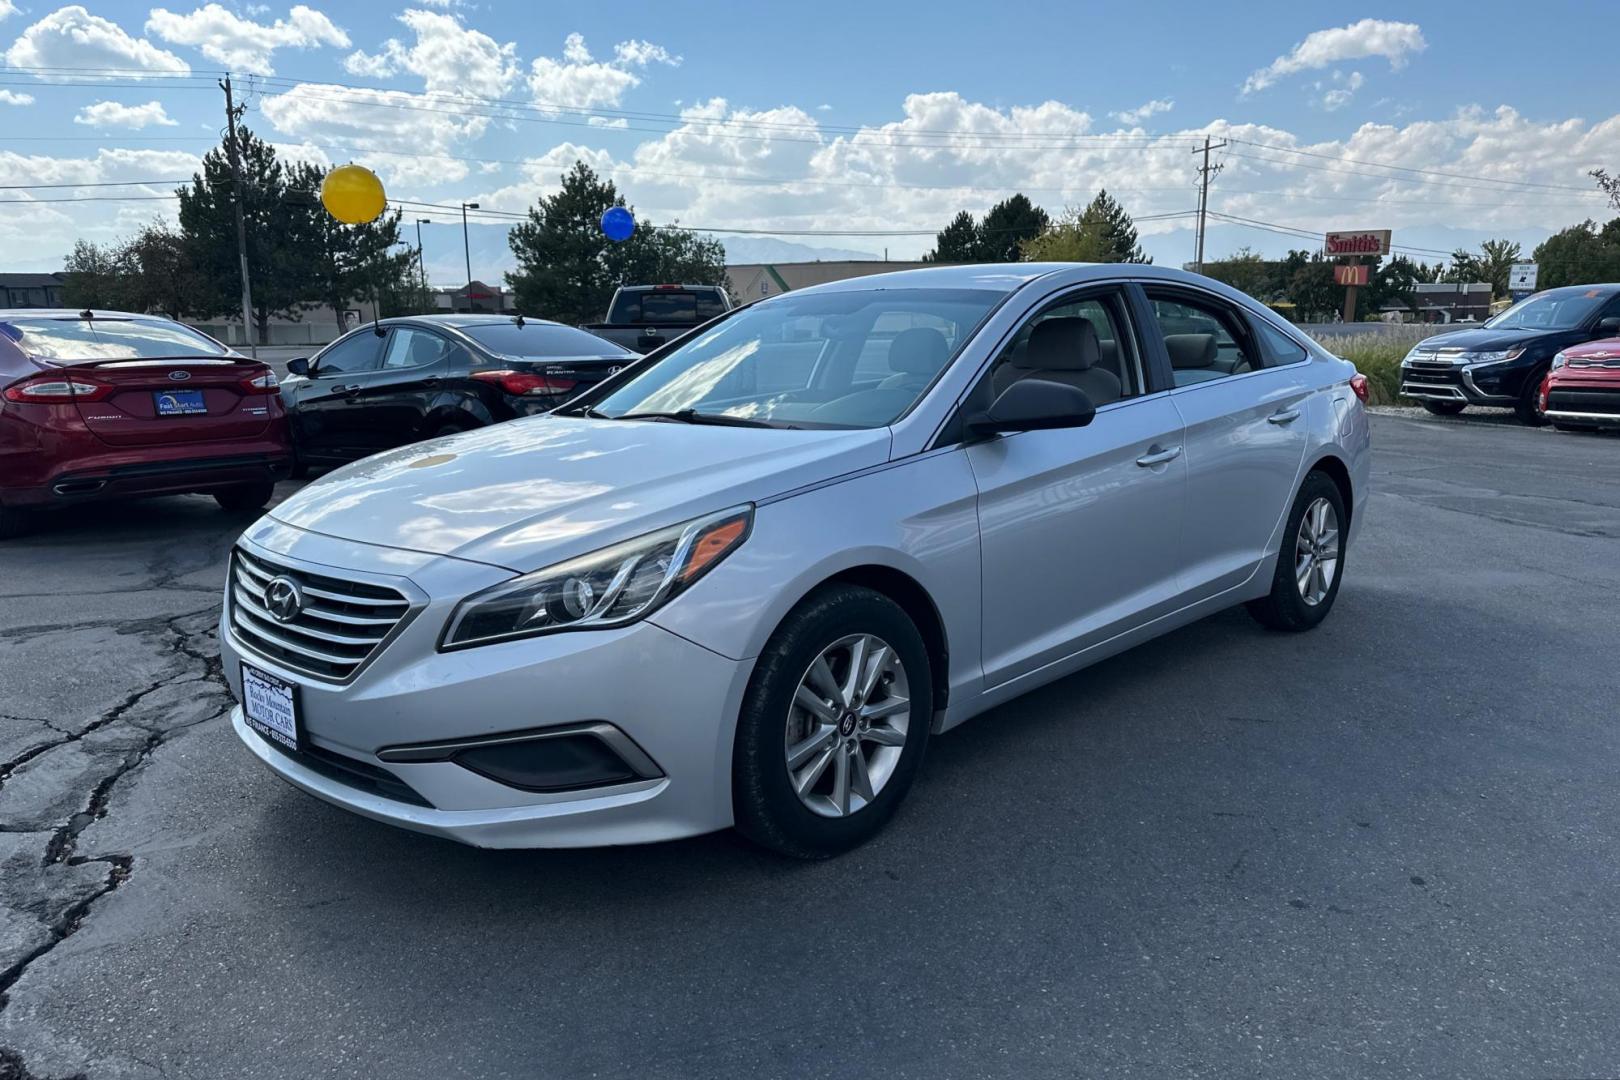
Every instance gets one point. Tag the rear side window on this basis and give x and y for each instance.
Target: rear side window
(412, 348)
(1277, 347)
(360, 351)
(1205, 339)
(106, 339)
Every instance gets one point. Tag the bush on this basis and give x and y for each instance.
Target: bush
(1377, 354)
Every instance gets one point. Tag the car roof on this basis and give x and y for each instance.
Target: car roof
(70, 313)
(1007, 277)
(468, 318)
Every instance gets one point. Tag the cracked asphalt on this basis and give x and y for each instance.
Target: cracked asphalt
(1386, 847)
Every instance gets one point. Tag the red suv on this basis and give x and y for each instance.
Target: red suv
(1582, 389)
(101, 405)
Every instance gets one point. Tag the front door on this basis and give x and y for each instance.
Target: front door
(327, 426)
(1080, 527)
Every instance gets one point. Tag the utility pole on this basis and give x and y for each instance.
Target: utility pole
(231, 149)
(421, 261)
(1205, 174)
(466, 246)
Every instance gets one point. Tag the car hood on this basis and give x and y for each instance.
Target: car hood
(1484, 339)
(1602, 349)
(531, 492)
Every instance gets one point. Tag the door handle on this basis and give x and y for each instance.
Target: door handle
(1283, 416)
(1158, 457)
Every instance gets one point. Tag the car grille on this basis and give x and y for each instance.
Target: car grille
(1427, 378)
(1594, 400)
(341, 625)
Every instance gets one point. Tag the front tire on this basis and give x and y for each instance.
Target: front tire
(1445, 408)
(245, 498)
(1311, 562)
(834, 725)
(1528, 407)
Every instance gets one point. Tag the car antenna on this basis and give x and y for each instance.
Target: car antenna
(87, 314)
(518, 319)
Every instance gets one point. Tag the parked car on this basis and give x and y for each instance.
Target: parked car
(1582, 389)
(745, 582)
(98, 405)
(647, 317)
(399, 381)
(1502, 363)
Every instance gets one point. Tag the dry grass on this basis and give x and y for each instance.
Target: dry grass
(1377, 355)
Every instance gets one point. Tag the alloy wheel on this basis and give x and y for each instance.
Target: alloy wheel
(1316, 551)
(847, 725)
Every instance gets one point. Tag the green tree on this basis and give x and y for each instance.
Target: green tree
(567, 269)
(1247, 272)
(1102, 232)
(343, 263)
(1579, 255)
(208, 223)
(1313, 292)
(1492, 264)
(1392, 284)
(1007, 226)
(97, 276)
(957, 242)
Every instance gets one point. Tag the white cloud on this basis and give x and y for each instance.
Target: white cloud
(1144, 110)
(578, 81)
(1343, 89)
(604, 122)
(1395, 41)
(7, 8)
(241, 44)
(407, 138)
(71, 37)
(447, 57)
(110, 114)
(11, 97)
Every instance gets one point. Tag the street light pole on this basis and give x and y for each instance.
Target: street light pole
(466, 245)
(421, 260)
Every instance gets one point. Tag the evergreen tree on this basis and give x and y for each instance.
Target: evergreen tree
(567, 269)
(340, 263)
(1005, 228)
(1102, 232)
(957, 242)
(1115, 228)
(1579, 255)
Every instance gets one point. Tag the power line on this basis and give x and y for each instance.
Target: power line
(1410, 169)
(96, 184)
(1308, 234)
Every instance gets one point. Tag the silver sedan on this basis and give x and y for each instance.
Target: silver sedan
(745, 581)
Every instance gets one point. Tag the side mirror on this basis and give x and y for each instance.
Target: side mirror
(1609, 327)
(298, 366)
(1035, 405)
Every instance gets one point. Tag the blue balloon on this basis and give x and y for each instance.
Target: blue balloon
(618, 223)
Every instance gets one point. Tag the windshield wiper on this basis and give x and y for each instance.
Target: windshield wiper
(692, 416)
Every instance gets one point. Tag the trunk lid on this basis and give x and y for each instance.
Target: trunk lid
(161, 402)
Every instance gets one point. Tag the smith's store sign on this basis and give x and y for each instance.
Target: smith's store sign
(1360, 242)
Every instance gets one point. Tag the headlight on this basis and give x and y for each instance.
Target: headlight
(606, 588)
(1495, 357)
(1558, 361)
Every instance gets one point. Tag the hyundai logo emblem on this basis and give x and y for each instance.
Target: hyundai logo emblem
(179, 376)
(615, 369)
(283, 599)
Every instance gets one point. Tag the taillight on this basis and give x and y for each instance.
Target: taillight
(262, 384)
(526, 383)
(1358, 384)
(56, 390)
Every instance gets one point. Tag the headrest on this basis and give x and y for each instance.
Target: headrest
(921, 350)
(1064, 344)
(1190, 350)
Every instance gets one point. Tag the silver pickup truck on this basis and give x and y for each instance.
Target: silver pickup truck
(644, 317)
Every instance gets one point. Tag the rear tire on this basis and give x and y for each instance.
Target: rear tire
(245, 498)
(15, 523)
(853, 738)
(1528, 407)
(1306, 581)
(1445, 408)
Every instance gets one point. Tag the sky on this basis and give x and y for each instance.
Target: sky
(835, 125)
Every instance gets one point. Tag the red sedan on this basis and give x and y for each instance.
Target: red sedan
(103, 405)
(1582, 389)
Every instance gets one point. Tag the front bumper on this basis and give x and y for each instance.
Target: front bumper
(1471, 384)
(1584, 400)
(676, 701)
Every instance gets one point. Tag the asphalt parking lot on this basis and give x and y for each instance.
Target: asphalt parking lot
(1390, 846)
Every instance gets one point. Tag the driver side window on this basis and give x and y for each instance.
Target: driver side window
(1084, 343)
(360, 351)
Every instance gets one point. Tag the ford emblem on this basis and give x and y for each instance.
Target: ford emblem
(179, 376)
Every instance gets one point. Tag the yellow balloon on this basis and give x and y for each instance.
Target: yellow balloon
(353, 194)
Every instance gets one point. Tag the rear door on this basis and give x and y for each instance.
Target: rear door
(1242, 398)
(163, 402)
(327, 425)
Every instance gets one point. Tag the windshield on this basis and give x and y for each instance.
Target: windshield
(540, 341)
(75, 338)
(1559, 309)
(839, 359)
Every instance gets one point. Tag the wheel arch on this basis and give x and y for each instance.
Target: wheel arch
(1334, 468)
(918, 605)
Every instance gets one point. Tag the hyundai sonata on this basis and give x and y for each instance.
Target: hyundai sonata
(744, 581)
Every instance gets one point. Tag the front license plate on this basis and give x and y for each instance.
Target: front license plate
(270, 707)
(179, 402)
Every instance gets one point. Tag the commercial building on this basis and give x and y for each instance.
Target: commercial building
(31, 290)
